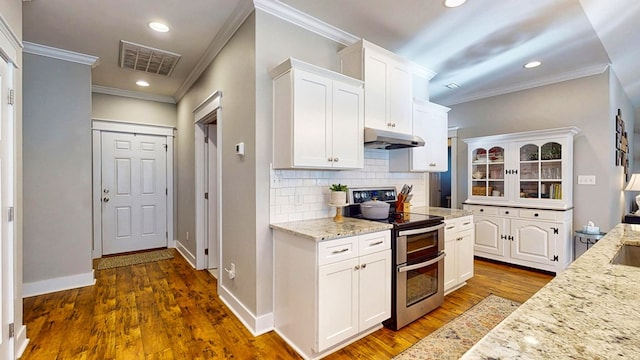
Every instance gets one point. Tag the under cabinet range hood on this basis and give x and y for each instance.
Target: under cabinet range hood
(389, 140)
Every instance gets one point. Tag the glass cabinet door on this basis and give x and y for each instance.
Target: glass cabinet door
(487, 172)
(540, 171)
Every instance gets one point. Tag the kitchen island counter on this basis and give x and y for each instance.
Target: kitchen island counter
(591, 310)
(439, 211)
(327, 229)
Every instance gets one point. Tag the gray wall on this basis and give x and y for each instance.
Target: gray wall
(111, 107)
(585, 103)
(57, 168)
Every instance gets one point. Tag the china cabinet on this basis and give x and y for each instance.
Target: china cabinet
(318, 120)
(330, 293)
(389, 84)
(458, 245)
(430, 122)
(520, 191)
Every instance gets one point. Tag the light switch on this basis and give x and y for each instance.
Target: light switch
(586, 179)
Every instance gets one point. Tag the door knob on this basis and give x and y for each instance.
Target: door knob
(106, 191)
(105, 199)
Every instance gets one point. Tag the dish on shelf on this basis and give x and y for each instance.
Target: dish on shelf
(478, 175)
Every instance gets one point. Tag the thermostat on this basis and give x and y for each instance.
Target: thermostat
(240, 149)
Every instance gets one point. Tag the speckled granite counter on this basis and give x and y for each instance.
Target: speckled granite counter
(444, 212)
(326, 228)
(589, 311)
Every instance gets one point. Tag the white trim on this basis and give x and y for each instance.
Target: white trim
(233, 23)
(257, 325)
(186, 254)
(58, 284)
(21, 341)
(60, 54)
(452, 131)
(305, 21)
(569, 75)
(10, 43)
(132, 94)
(99, 125)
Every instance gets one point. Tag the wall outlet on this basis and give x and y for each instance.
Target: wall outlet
(586, 179)
(187, 235)
(231, 272)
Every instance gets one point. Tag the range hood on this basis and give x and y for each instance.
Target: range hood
(389, 140)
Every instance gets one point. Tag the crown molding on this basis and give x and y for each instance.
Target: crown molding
(132, 94)
(66, 55)
(10, 42)
(239, 15)
(305, 21)
(569, 75)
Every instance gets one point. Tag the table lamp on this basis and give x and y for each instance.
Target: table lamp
(634, 185)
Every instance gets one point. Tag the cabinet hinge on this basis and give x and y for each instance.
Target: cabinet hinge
(555, 258)
(10, 214)
(12, 330)
(206, 251)
(166, 235)
(166, 191)
(206, 196)
(165, 146)
(555, 230)
(206, 139)
(12, 96)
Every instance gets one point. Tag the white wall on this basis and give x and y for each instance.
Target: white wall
(112, 107)
(57, 171)
(584, 103)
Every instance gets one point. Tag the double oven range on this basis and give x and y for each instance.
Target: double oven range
(417, 246)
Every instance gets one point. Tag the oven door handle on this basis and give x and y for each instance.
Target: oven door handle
(421, 231)
(422, 264)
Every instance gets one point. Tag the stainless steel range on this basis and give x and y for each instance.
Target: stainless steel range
(417, 245)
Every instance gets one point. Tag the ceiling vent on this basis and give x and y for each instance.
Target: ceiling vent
(143, 58)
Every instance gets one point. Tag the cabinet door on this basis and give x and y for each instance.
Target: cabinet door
(450, 261)
(435, 136)
(375, 289)
(399, 97)
(533, 241)
(541, 176)
(348, 124)
(337, 302)
(376, 108)
(488, 234)
(312, 114)
(489, 172)
(464, 254)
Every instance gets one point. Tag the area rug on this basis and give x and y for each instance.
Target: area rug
(133, 259)
(456, 337)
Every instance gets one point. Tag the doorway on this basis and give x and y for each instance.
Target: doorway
(132, 187)
(443, 185)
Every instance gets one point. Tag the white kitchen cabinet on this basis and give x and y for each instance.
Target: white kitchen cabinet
(430, 122)
(529, 169)
(534, 238)
(318, 118)
(388, 85)
(458, 264)
(330, 293)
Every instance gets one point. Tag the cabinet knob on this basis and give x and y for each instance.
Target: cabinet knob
(481, 210)
(357, 267)
(363, 266)
(432, 164)
(330, 159)
(389, 124)
(536, 214)
(335, 159)
(506, 212)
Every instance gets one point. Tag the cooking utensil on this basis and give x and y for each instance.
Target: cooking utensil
(374, 209)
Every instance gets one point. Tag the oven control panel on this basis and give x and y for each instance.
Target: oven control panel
(361, 195)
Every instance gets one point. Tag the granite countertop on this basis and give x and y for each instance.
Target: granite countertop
(591, 310)
(327, 229)
(439, 211)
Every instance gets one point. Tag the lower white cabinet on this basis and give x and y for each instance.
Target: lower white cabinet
(458, 245)
(330, 293)
(535, 238)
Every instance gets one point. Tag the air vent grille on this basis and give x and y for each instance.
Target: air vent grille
(143, 58)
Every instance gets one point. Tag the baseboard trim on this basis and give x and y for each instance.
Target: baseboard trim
(21, 341)
(256, 325)
(186, 254)
(58, 284)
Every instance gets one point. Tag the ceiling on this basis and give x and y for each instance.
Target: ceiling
(481, 45)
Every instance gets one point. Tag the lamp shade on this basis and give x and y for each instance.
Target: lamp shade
(634, 183)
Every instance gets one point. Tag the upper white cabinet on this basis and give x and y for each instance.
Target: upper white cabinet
(318, 120)
(388, 85)
(430, 122)
(531, 169)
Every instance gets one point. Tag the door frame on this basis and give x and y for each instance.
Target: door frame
(208, 113)
(97, 127)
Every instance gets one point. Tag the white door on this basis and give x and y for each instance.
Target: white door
(134, 192)
(533, 241)
(6, 226)
(489, 236)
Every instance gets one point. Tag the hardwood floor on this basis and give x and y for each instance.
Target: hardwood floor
(167, 310)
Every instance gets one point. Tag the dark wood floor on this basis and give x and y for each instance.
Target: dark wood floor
(167, 310)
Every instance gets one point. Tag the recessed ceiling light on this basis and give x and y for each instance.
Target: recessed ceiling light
(453, 3)
(453, 85)
(142, 83)
(532, 64)
(159, 27)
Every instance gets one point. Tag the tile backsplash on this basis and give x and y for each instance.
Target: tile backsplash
(304, 194)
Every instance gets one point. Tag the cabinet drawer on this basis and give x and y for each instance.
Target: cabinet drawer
(508, 212)
(337, 250)
(483, 210)
(537, 214)
(465, 223)
(374, 242)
